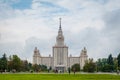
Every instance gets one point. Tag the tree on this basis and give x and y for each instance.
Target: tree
(110, 63)
(89, 66)
(118, 59)
(24, 65)
(14, 63)
(76, 67)
(43, 67)
(100, 64)
(3, 63)
(110, 60)
(115, 64)
(10, 63)
(30, 66)
(36, 68)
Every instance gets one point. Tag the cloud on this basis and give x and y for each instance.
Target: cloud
(44, 46)
(90, 23)
(112, 19)
(11, 48)
(111, 31)
(5, 11)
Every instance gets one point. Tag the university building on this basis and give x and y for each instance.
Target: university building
(60, 59)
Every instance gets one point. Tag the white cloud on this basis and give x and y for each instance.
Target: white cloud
(83, 24)
(112, 5)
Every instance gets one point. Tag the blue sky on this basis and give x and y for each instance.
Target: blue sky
(26, 4)
(25, 24)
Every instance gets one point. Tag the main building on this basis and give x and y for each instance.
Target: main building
(60, 59)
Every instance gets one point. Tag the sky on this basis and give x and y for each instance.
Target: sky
(26, 24)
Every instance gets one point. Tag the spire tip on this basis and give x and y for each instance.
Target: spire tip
(60, 23)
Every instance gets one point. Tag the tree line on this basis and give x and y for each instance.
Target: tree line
(15, 64)
(110, 64)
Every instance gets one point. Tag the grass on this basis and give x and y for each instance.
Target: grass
(59, 77)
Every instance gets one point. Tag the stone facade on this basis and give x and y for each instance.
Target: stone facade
(60, 59)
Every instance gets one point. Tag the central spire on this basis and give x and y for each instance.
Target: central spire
(60, 37)
(60, 24)
(60, 28)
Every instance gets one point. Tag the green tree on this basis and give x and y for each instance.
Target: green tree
(3, 63)
(24, 65)
(101, 63)
(43, 67)
(30, 66)
(98, 65)
(10, 62)
(110, 63)
(90, 66)
(118, 59)
(36, 68)
(14, 63)
(110, 60)
(76, 67)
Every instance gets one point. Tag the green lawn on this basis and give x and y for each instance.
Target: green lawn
(59, 77)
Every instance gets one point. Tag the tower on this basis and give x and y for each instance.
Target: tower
(60, 37)
(83, 57)
(36, 56)
(60, 51)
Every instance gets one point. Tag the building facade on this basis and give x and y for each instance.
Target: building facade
(60, 59)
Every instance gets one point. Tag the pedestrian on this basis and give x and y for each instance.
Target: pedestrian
(69, 70)
(74, 70)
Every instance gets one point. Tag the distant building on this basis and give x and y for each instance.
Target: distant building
(60, 59)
